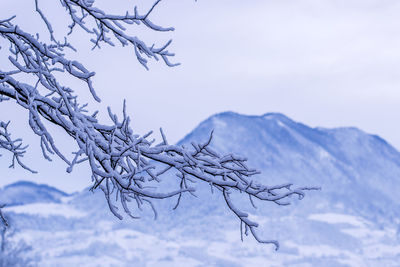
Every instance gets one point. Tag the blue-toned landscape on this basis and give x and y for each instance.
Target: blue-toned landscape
(110, 154)
(352, 221)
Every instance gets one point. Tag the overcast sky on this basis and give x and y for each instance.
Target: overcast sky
(325, 63)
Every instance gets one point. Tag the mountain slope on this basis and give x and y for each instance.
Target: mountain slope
(24, 192)
(352, 221)
(354, 169)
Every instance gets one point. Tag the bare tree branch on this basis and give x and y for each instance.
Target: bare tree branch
(14, 146)
(125, 166)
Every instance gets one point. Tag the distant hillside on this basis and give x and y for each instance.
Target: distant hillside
(24, 192)
(352, 221)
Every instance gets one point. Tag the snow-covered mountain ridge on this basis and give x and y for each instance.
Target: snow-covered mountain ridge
(352, 221)
(354, 169)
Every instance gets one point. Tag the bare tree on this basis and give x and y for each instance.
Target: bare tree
(125, 166)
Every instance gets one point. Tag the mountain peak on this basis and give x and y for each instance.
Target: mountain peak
(269, 115)
(275, 115)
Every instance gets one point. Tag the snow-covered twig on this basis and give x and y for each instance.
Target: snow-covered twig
(125, 166)
(14, 146)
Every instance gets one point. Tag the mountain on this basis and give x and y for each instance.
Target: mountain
(24, 192)
(356, 170)
(352, 221)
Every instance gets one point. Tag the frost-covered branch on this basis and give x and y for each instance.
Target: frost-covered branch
(125, 166)
(14, 146)
(107, 26)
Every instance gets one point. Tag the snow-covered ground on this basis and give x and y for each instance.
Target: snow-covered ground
(105, 243)
(46, 210)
